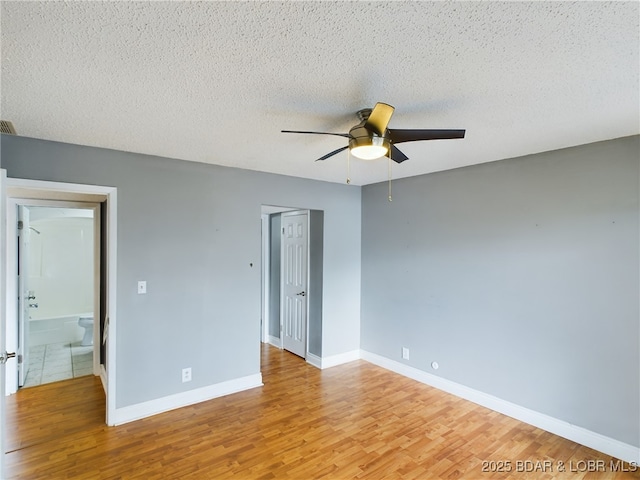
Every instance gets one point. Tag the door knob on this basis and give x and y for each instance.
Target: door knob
(33, 305)
(6, 356)
(302, 293)
(31, 297)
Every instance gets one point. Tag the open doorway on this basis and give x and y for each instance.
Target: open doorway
(101, 201)
(292, 262)
(58, 276)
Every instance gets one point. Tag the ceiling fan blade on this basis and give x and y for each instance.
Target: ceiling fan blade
(379, 118)
(330, 154)
(346, 135)
(397, 156)
(399, 136)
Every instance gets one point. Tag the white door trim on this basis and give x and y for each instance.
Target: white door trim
(36, 189)
(266, 264)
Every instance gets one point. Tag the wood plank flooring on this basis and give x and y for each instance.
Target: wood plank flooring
(352, 421)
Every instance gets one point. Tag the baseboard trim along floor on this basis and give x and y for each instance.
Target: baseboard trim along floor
(179, 400)
(577, 434)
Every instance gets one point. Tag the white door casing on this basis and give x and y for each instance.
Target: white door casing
(3, 299)
(294, 288)
(264, 276)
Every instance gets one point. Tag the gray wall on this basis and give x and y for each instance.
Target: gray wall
(191, 231)
(520, 277)
(316, 234)
(275, 223)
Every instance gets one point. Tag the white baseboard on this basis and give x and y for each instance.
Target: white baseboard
(103, 378)
(164, 404)
(327, 362)
(577, 434)
(314, 360)
(332, 361)
(275, 341)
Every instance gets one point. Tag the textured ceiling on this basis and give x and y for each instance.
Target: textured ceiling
(216, 81)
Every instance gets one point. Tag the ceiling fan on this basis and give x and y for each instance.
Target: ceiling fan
(371, 138)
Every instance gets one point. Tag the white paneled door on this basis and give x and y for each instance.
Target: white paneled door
(293, 309)
(26, 299)
(3, 299)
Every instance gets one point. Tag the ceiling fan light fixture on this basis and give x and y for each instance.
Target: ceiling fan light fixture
(369, 147)
(372, 139)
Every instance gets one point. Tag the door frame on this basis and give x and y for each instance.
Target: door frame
(306, 213)
(12, 252)
(264, 278)
(42, 190)
(265, 225)
(3, 301)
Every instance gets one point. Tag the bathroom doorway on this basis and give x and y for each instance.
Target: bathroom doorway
(57, 278)
(58, 271)
(44, 193)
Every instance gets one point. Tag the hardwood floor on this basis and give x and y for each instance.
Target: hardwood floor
(352, 421)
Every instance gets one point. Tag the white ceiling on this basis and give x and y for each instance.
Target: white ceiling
(215, 82)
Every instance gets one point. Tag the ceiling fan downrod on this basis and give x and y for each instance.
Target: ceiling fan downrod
(363, 115)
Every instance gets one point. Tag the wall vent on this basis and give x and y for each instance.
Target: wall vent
(7, 127)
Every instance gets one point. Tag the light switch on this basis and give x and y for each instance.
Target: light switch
(142, 287)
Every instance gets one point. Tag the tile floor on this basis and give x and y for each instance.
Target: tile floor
(58, 361)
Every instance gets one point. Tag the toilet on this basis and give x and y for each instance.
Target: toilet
(87, 324)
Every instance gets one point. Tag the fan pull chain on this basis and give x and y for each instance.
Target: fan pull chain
(390, 197)
(348, 166)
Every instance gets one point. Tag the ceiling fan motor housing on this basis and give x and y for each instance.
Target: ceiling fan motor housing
(368, 140)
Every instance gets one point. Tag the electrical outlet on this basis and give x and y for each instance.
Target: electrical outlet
(186, 375)
(142, 287)
(405, 353)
